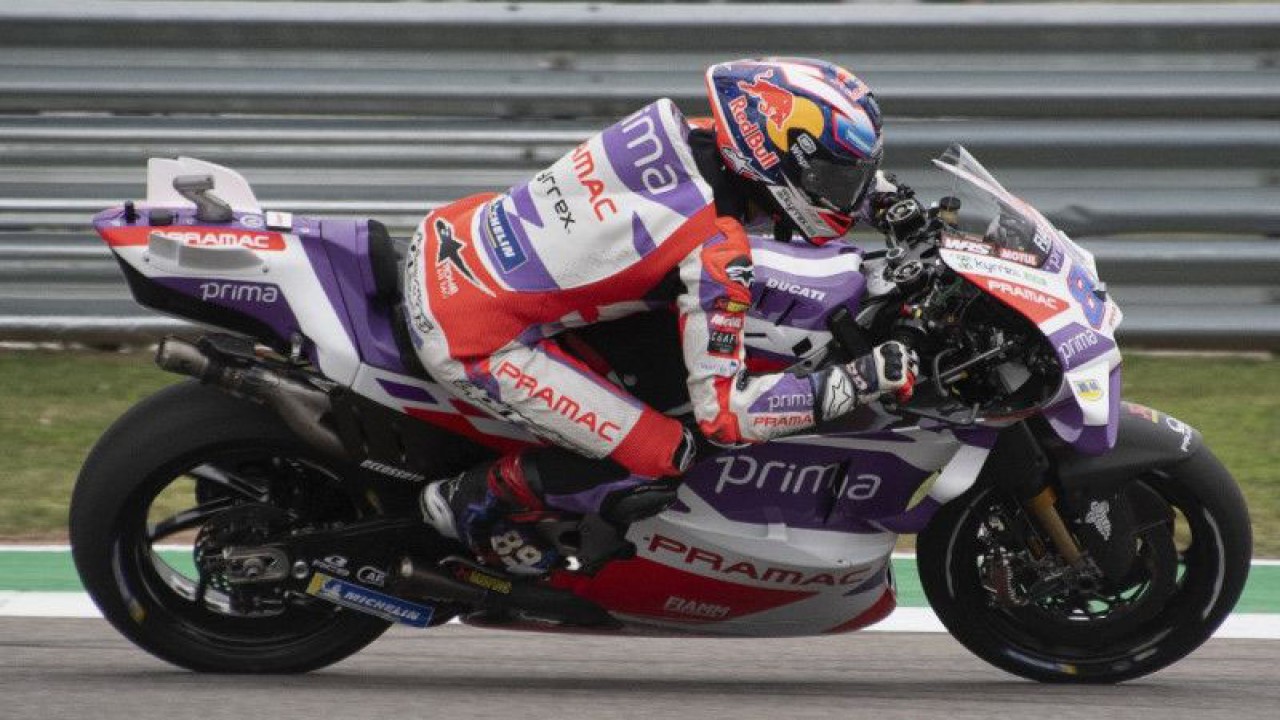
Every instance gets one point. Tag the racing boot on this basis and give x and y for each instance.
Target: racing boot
(493, 508)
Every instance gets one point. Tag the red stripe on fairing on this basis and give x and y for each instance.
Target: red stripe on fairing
(459, 424)
(1037, 305)
(872, 615)
(650, 589)
(196, 236)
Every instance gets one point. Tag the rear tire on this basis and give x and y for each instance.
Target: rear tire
(1207, 576)
(185, 427)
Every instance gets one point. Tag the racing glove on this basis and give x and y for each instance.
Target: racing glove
(886, 193)
(888, 368)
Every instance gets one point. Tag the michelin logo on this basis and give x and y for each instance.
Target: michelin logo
(503, 240)
(368, 601)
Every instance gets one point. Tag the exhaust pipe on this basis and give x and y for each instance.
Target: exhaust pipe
(489, 591)
(302, 407)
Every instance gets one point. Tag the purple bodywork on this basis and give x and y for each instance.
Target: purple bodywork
(339, 253)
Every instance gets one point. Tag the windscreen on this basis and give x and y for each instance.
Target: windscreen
(981, 211)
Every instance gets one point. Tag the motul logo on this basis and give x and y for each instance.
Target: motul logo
(559, 403)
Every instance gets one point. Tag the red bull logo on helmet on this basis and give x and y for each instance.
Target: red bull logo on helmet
(751, 134)
(773, 102)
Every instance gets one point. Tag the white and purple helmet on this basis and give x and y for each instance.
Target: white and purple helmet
(807, 130)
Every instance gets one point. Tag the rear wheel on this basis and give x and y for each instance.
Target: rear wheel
(181, 475)
(1009, 609)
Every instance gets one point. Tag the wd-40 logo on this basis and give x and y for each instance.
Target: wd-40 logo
(503, 240)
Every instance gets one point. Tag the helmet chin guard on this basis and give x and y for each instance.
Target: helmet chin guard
(808, 131)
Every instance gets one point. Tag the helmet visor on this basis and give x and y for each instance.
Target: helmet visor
(839, 185)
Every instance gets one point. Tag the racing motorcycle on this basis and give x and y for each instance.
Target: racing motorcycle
(263, 517)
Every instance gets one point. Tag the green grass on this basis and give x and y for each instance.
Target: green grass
(54, 405)
(1235, 403)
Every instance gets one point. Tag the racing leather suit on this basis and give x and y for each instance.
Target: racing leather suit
(625, 223)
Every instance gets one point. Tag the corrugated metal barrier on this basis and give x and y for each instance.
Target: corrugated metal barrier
(1150, 132)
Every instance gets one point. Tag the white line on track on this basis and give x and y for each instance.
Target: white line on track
(13, 547)
(1255, 626)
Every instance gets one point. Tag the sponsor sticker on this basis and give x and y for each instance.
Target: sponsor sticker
(371, 576)
(677, 553)
(772, 102)
(240, 292)
(740, 270)
(1018, 256)
(1089, 390)
(751, 134)
(720, 367)
(488, 582)
(796, 289)
(1037, 305)
(733, 306)
(369, 601)
(201, 237)
(962, 244)
(279, 220)
(450, 262)
(694, 608)
(720, 342)
(502, 239)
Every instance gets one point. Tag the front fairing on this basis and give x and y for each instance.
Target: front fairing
(1003, 245)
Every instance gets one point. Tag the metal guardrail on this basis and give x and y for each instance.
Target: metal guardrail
(1150, 132)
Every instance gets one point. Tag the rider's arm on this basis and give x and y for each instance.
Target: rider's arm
(733, 406)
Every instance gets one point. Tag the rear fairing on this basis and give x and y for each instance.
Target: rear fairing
(294, 283)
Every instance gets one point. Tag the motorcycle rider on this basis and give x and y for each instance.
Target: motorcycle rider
(647, 214)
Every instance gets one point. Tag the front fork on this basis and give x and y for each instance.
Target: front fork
(1021, 467)
(1043, 507)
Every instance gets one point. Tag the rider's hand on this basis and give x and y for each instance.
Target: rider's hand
(888, 368)
(887, 192)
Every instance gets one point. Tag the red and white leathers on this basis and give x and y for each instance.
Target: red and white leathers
(622, 224)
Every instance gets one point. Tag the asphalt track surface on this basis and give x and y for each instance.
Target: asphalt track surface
(83, 669)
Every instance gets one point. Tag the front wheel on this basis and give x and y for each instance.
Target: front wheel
(184, 473)
(1188, 574)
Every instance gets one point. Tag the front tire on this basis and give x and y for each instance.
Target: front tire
(1189, 588)
(229, 454)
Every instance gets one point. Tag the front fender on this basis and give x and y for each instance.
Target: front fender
(1146, 439)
